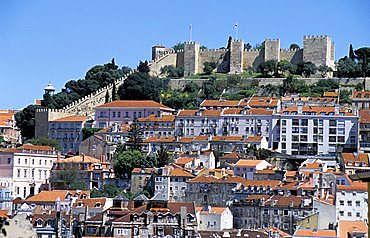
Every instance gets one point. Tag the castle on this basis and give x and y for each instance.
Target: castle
(235, 59)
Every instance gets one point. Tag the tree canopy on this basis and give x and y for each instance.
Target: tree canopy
(25, 121)
(44, 141)
(140, 86)
(126, 161)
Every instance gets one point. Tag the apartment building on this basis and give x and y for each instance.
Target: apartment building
(153, 125)
(355, 162)
(352, 202)
(8, 129)
(306, 130)
(364, 130)
(361, 99)
(126, 111)
(26, 168)
(68, 131)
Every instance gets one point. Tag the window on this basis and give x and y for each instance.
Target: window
(332, 123)
(25, 173)
(358, 214)
(349, 203)
(286, 212)
(126, 114)
(349, 214)
(19, 173)
(341, 202)
(114, 114)
(9, 160)
(358, 203)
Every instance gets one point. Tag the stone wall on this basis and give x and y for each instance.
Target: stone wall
(253, 58)
(272, 49)
(156, 65)
(82, 107)
(293, 56)
(180, 58)
(191, 58)
(236, 56)
(216, 55)
(318, 50)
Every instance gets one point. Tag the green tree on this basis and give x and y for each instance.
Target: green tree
(209, 89)
(348, 68)
(140, 86)
(209, 67)
(268, 68)
(294, 46)
(363, 55)
(172, 72)
(293, 85)
(351, 54)
(359, 87)
(87, 132)
(44, 141)
(178, 46)
(233, 80)
(114, 93)
(247, 46)
(107, 97)
(324, 70)
(109, 190)
(68, 178)
(143, 67)
(306, 68)
(163, 157)
(25, 121)
(135, 136)
(191, 88)
(284, 66)
(345, 97)
(126, 161)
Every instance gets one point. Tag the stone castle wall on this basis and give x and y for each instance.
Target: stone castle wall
(293, 56)
(216, 55)
(82, 107)
(252, 58)
(272, 49)
(317, 49)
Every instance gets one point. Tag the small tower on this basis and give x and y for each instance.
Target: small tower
(49, 90)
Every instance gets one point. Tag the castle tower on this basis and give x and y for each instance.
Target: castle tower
(236, 56)
(191, 58)
(272, 49)
(319, 50)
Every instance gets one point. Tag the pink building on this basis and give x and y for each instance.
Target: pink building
(125, 111)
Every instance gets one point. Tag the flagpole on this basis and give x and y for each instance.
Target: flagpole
(236, 30)
(191, 33)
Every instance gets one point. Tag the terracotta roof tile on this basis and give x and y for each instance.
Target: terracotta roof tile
(162, 139)
(260, 102)
(71, 119)
(247, 163)
(183, 160)
(179, 173)
(364, 116)
(214, 210)
(211, 113)
(35, 147)
(355, 186)
(360, 94)
(315, 109)
(219, 103)
(79, 159)
(185, 113)
(91, 202)
(227, 138)
(254, 138)
(361, 158)
(315, 233)
(346, 228)
(155, 118)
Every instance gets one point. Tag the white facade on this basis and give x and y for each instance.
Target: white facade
(352, 202)
(68, 131)
(313, 131)
(26, 170)
(214, 218)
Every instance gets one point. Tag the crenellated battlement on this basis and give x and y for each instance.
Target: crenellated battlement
(252, 50)
(190, 42)
(272, 40)
(289, 50)
(237, 40)
(312, 37)
(213, 50)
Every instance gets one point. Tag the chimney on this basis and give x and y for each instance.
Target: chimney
(58, 157)
(299, 110)
(83, 157)
(336, 109)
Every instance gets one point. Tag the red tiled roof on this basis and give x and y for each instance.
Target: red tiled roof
(212, 179)
(360, 94)
(355, 186)
(187, 113)
(35, 147)
(176, 172)
(346, 228)
(183, 160)
(162, 139)
(211, 113)
(260, 102)
(134, 104)
(71, 119)
(155, 118)
(247, 163)
(315, 233)
(214, 210)
(315, 109)
(219, 103)
(364, 116)
(360, 158)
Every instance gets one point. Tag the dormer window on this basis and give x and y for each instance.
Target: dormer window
(98, 204)
(39, 222)
(80, 204)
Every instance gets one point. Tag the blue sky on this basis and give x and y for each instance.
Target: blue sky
(42, 41)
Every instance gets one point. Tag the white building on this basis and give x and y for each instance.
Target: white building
(26, 168)
(68, 131)
(352, 202)
(305, 130)
(247, 168)
(126, 111)
(214, 218)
